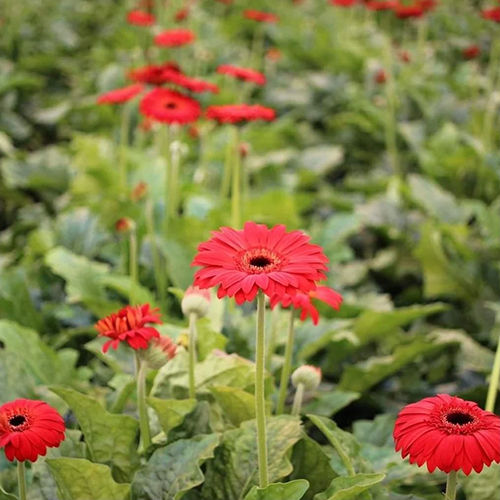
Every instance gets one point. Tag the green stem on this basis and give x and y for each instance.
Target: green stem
(236, 185)
(297, 400)
(260, 401)
(174, 187)
(421, 39)
(21, 480)
(494, 378)
(226, 175)
(192, 354)
(490, 111)
(287, 364)
(275, 315)
(141, 368)
(122, 154)
(165, 150)
(451, 486)
(133, 267)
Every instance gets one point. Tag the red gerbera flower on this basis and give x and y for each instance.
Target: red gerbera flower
(448, 433)
(261, 17)
(235, 113)
(181, 14)
(174, 38)
(404, 56)
(153, 73)
(343, 3)
(404, 11)
(118, 96)
(129, 325)
(492, 14)
(380, 4)
(140, 18)
(471, 52)
(192, 84)
(303, 301)
(247, 74)
(28, 428)
(380, 76)
(169, 106)
(242, 262)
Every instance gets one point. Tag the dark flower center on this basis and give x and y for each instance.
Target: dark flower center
(459, 418)
(17, 420)
(260, 261)
(171, 105)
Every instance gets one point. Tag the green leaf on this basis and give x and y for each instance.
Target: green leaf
(171, 412)
(208, 339)
(348, 488)
(329, 403)
(175, 469)
(237, 405)
(483, 486)
(79, 479)
(111, 439)
(178, 262)
(294, 490)
(234, 469)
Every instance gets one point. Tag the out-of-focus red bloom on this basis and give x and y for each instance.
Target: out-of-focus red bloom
(471, 52)
(118, 96)
(124, 225)
(304, 302)
(146, 124)
(169, 106)
(404, 56)
(182, 14)
(492, 14)
(129, 325)
(174, 38)
(139, 192)
(448, 433)
(153, 73)
(189, 83)
(242, 262)
(380, 76)
(404, 11)
(381, 4)
(261, 17)
(140, 18)
(343, 3)
(235, 113)
(193, 132)
(28, 427)
(227, 2)
(273, 54)
(250, 75)
(244, 149)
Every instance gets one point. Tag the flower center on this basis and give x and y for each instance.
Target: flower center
(17, 420)
(259, 260)
(170, 105)
(459, 418)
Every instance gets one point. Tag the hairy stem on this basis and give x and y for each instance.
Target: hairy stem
(287, 364)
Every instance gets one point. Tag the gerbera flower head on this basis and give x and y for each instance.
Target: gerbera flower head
(492, 14)
(182, 14)
(471, 52)
(260, 16)
(154, 74)
(121, 95)
(380, 76)
(169, 106)
(378, 5)
(242, 262)
(304, 302)
(189, 83)
(129, 325)
(407, 11)
(174, 38)
(250, 75)
(343, 3)
(28, 427)
(448, 433)
(236, 113)
(140, 18)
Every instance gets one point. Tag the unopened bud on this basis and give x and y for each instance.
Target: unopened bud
(124, 225)
(195, 301)
(307, 375)
(160, 350)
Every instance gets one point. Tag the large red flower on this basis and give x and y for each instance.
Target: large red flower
(118, 96)
(28, 428)
(153, 73)
(304, 302)
(242, 262)
(174, 38)
(169, 106)
(448, 433)
(492, 14)
(129, 325)
(235, 113)
(250, 75)
(261, 17)
(140, 18)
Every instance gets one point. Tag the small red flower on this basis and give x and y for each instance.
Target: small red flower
(139, 192)
(448, 433)
(140, 18)
(404, 56)
(242, 262)
(153, 73)
(124, 225)
(235, 113)
(118, 96)
(471, 52)
(169, 106)
(303, 301)
(492, 14)
(273, 54)
(174, 38)
(380, 76)
(381, 5)
(261, 17)
(189, 83)
(250, 75)
(28, 428)
(129, 325)
(181, 14)
(343, 3)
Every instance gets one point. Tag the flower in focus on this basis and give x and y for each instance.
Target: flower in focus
(174, 38)
(129, 325)
(118, 96)
(343, 3)
(140, 18)
(195, 301)
(250, 75)
(261, 17)
(242, 262)
(153, 73)
(304, 302)
(492, 14)
(307, 375)
(471, 52)
(380, 76)
(169, 106)
(235, 113)
(448, 433)
(28, 427)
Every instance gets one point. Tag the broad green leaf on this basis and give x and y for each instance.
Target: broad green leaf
(329, 403)
(79, 479)
(171, 412)
(348, 488)
(377, 431)
(111, 439)
(178, 262)
(233, 471)
(175, 469)
(483, 486)
(208, 339)
(237, 405)
(294, 490)
(322, 158)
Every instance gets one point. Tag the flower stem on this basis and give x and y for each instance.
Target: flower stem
(174, 187)
(260, 402)
(141, 403)
(236, 185)
(287, 364)
(192, 354)
(451, 486)
(226, 175)
(165, 150)
(122, 152)
(21, 480)
(494, 378)
(133, 267)
(297, 400)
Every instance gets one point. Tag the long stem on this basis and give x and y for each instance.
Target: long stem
(174, 187)
(494, 379)
(271, 345)
(192, 354)
(236, 187)
(122, 158)
(287, 364)
(21, 480)
(226, 175)
(297, 400)
(133, 270)
(141, 403)
(260, 402)
(451, 486)
(165, 149)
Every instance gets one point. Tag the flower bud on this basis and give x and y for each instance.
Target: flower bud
(307, 375)
(124, 225)
(140, 190)
(195, 301)
(159, 351)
